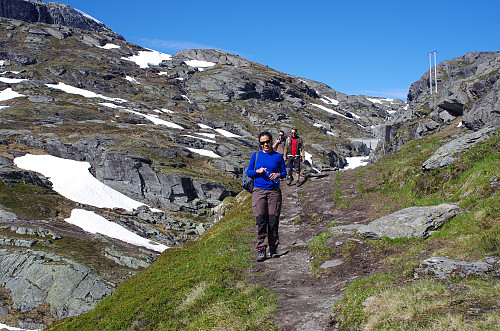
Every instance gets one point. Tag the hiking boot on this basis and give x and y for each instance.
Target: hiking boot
(290, 181)
(262, 255)
(273, 252)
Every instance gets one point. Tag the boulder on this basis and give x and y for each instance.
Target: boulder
(449, 153)
(442, 268)
(413, 222)
(35, 277)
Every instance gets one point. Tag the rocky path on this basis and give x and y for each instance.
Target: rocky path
(305, 299)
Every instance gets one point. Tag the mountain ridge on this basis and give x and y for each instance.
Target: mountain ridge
(174, 132)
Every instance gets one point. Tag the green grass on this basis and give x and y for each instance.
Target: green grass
(395, 300)
(197, 287)
(45, 202)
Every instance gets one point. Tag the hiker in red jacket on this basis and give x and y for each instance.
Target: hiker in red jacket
(294, 151)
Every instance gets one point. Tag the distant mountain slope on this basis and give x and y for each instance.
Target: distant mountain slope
(50, 13)
(468, 89)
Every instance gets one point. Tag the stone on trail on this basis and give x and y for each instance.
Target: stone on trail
(413, 222)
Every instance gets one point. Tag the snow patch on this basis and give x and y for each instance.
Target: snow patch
(329, 101)
(8, 94)
(203, 152)
(132, 80)
(73, 180)
(382, 100)
(11, 80)
(93, 223)
(109, 46)
(227, 133)
(199, 63)
(156, 120)
(85, 93)
(146, 58)
(356, 161)
(88, 16)
(331, 111)
(201, 138)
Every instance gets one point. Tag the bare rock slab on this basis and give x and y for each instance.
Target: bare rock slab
(413, 222)
(449, 153)
(442, 268)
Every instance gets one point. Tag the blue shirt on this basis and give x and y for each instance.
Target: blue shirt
(273, 162)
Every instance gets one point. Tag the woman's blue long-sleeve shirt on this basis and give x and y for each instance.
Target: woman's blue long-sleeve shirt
(273, 162)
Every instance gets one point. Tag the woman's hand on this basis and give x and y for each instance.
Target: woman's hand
(274, 175)
(261, 170)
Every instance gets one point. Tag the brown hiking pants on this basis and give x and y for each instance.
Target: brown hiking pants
(266, 205)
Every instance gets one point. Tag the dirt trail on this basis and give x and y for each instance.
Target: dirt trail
(305, 300)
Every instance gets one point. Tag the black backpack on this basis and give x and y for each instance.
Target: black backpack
(247, 182)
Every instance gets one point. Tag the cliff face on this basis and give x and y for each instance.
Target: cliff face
(50, 13)
(468, 92)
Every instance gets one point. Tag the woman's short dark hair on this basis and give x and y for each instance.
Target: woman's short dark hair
(265, 133)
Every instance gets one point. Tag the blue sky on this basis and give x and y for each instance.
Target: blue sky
(375, 48)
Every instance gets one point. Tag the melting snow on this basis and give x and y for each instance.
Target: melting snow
(331, 111)
(93, 223)
(157, 121)
(109, 46)
(8, 94)
(85, 93)
(132, 80)
(87, 16)
(380, 100)
(11, 80)
(199, 64)
(329, 101)
(146, 58)
(73, 180)
(356, 161)
(226, 133)
(203, 152)
(201, 138)
(203, 126)
(11, 328)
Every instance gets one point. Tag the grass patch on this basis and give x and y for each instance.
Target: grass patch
(392, 299)
(44, 203)
(319, 249)
(197, 287)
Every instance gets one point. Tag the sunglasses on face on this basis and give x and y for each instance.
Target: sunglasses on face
(265, 142)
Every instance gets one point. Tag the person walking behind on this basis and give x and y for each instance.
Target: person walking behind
(279, 144)
(266, 195)
(294, 150)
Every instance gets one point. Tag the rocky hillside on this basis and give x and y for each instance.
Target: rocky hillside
(172, 132)
(468, 91)
(51, 13)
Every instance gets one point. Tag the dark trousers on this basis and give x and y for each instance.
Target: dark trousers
(266, 205)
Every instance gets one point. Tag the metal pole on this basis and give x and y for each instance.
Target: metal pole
(430, 72)
(435, 73)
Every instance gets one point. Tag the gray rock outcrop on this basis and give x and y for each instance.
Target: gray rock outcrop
(416, 222)
(34, 278)
(447, 154)
(442, 268)
(468, 88)
(51, 13)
